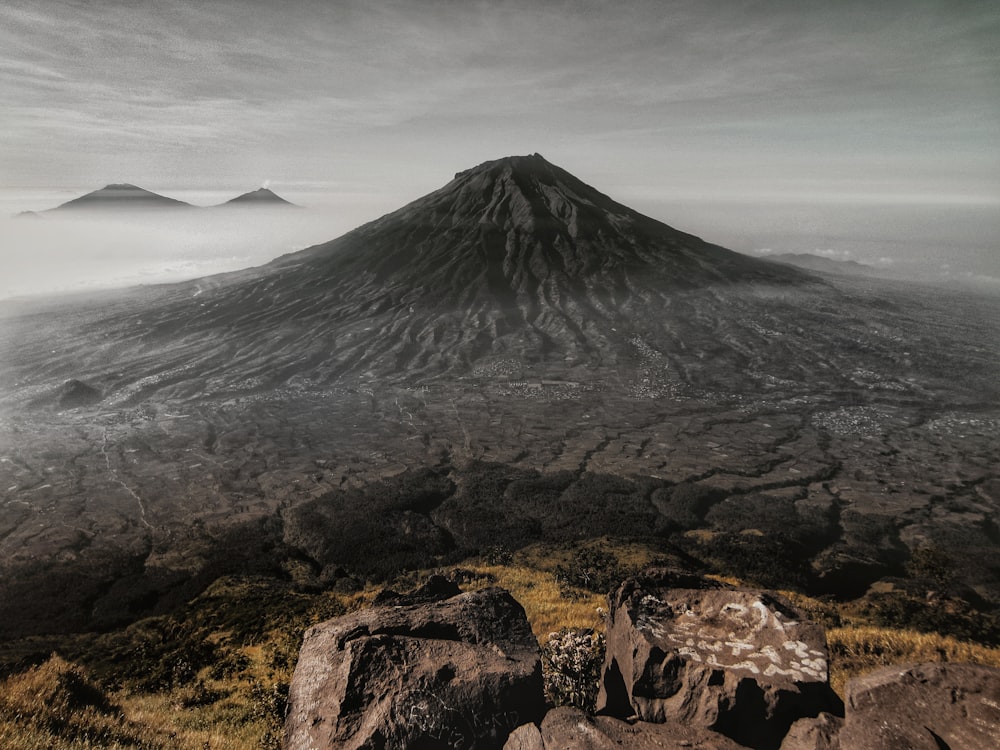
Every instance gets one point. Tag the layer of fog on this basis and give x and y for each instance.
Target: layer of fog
(954, 243)
(57, 253)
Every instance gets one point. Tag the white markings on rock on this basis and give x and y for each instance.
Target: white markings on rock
(690, 653)
(793, 658)
(764, 614)
(738, 646)
(749, 666)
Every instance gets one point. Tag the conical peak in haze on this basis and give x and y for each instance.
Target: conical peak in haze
(122, 195)
(261, 196)
(125, 196)
(516, 223)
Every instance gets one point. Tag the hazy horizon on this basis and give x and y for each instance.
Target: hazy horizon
(59, 253)
(852, 130)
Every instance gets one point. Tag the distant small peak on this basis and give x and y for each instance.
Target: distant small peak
(122, 186)
(258, 196)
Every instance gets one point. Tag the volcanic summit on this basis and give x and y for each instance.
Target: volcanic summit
(519, 229)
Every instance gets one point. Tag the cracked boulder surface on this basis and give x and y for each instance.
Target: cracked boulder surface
(743, 663)
(820, 732)
(438, 669)
(923, 707)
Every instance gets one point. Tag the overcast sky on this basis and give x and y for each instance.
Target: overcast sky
(882, 101)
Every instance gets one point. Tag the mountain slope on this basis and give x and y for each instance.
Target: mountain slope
(819, 264)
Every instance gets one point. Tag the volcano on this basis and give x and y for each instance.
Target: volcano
(515, 257)
(260, 197)
(520, 230)
(119, 196)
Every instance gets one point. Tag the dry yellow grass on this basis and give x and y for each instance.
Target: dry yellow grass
(855, 651)
(532, 581)
(538, 593)
(54, 706)
(221, 725)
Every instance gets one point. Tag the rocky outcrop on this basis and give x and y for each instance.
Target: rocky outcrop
(923, 707)
(917, 707)
(571, 729)
(76, 393)
(690, 663)
(743, 663)
(817, 733)
(439, 668)
(525, 737)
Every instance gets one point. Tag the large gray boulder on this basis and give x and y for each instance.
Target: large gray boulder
(444, 669)
(740, 662)
(923, 707)
(571, 729)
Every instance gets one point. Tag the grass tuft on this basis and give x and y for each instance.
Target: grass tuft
(539, 592)
(55, 705)
(855, 651)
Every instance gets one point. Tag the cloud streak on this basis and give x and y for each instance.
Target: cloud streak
(639, 89)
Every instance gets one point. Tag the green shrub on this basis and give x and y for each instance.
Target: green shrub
(571, 667)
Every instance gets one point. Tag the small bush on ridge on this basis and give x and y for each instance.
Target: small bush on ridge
(571, 667)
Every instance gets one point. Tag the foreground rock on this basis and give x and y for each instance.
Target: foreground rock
(571, 729)
(923, 707)
(742, 663)
(438, 669)
(817, 733)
